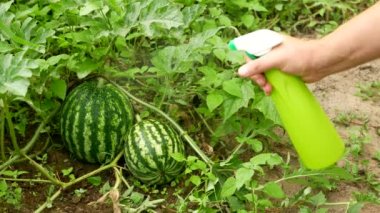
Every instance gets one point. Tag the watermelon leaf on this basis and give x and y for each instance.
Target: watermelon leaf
(274, 190)
(15, 72)
(229, 187)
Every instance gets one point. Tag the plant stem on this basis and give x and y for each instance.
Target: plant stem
(44, 172)
(336, 204)
(299, 176)
(10, 126)
(120, 172)
(31, 143)
(100, 169)
(293, 177)
(190, 141)
(2, 130)
(237, 148)
(25, 180)
(48, 201)
(205, 123)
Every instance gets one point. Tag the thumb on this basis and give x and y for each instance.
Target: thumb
(258, 66)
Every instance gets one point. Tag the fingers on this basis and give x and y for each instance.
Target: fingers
(257, 66)
(259, 79)
(262, 82)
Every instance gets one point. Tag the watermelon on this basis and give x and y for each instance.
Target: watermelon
(148, 150)
(94, 119)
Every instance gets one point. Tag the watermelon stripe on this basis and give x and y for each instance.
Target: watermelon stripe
(65, 114)
(107, 129)
(146, 150)
(95, 115)
(165, 142)
(79, 137)
(150, 135)
(137, 150)
(87, 131)
(176, 148)
(101, 133)
(71, 133)
(119, 104)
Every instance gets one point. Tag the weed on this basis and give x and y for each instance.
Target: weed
(369, 91)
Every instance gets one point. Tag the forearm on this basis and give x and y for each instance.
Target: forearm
(353, 43)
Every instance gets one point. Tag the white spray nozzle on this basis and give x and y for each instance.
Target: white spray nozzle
(257, 43)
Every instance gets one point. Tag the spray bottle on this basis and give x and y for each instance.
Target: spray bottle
(310, 130)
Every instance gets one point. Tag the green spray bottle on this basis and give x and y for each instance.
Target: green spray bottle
(310, 130)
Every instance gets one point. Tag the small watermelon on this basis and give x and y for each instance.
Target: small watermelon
(94, 119)
(148, 150)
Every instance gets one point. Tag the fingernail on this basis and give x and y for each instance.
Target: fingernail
(243, 70)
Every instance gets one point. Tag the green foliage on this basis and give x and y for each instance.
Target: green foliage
(11, 193)
(174, 55)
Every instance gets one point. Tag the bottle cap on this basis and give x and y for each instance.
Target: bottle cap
(257, 43)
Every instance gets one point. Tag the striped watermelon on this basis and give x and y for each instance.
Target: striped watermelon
(147, 152)
(95, 117)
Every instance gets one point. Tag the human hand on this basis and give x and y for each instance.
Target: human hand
(293, 56)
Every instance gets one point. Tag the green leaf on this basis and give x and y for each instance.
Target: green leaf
(377, 155)
(220, 54)
(152, 16)
(95, 180)
(279, 7)
(86, 67)
(196, 180)
(178, 156)
(355, 208)
(58, 88)
(247, 20)
(214, 100)
(235, 204)
(274, 190)
(256, 145)
(224, 20)
(256, 6)
(15, 71)
(57, 58)
(137, 197)
(13, 173)
(318, 199)
(248, 91)
(198, 40)
(67, 171)
(231, 106)
(242, 176)
(210, 77)
(271, 159)
(105, 188)
(192, 12)
(235, 57)
(90, 6)
(5, 47)
(233, 87)
(229, 187)
(322, 210)
(4, 7)
(267, 107)
(3, 186)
